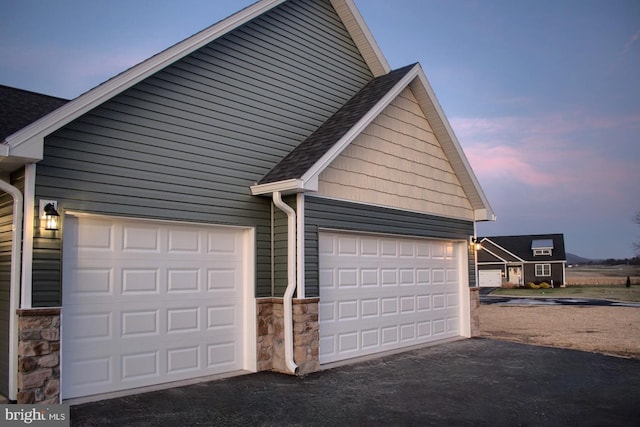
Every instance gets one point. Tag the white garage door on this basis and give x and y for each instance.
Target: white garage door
(146, 303)
(490, 278)
(384, 293)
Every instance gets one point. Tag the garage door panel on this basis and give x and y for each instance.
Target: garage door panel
(132, 281)
(138, 366)
(383, 293)
(147, 303)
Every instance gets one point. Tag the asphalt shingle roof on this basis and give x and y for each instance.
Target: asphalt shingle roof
(305, 155)
(19, 108)
(521, 247)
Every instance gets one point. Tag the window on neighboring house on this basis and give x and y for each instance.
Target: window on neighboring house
(543, 270)
(542, 246)
(542, 252)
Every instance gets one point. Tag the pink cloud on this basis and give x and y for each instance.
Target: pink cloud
(504, 162)
(555, 153)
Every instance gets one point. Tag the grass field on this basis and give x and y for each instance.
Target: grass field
(600, 275)
(615, 293)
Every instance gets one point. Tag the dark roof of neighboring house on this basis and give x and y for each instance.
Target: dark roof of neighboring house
(19, 108)
(305, 155)
(520, 246)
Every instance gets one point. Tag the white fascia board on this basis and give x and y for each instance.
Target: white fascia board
(460, 164)
(362, 37)
(116, 85)
(314, 171)
(285, 187)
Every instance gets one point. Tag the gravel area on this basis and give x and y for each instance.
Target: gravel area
(608, 330)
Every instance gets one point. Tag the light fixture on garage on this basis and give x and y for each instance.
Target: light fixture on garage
(49, 215)
(474, 244)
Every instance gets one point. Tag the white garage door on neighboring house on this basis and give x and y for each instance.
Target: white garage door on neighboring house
(146, 303)
(381, 293)
(490, 278)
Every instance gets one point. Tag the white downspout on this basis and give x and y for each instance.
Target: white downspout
(291, 281)
(14, 284)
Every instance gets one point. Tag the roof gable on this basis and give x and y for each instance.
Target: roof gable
(522, 246)
(28, 142)
(397, 162)
(299, 171)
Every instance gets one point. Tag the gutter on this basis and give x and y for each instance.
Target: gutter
(14, 284)
(287, 300)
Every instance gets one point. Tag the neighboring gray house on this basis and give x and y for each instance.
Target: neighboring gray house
(519, 260)
(265, 195)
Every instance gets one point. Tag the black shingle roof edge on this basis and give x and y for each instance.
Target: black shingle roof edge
(19, 108)
(305, 155)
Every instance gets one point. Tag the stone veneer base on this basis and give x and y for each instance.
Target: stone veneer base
(38, 355)
(270, 335)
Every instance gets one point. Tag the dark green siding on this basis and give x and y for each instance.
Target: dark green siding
(472, 267)
(340, 215)
(187, 143)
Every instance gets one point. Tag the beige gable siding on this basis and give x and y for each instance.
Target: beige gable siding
(397, 162)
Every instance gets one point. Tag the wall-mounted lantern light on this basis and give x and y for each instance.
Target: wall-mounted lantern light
(49, 215)
(474, 244)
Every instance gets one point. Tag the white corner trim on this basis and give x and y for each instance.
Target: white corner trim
(28, 235)
(315, 170)
(464, 288)
(300, 290)
(112, 87)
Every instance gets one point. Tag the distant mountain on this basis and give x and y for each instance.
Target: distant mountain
(575, 259)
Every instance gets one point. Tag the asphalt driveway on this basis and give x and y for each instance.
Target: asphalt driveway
(466, 382)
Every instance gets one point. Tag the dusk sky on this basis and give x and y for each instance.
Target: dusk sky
(543, 95)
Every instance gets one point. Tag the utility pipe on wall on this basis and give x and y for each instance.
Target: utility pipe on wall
(287, 301)
(14, 284)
